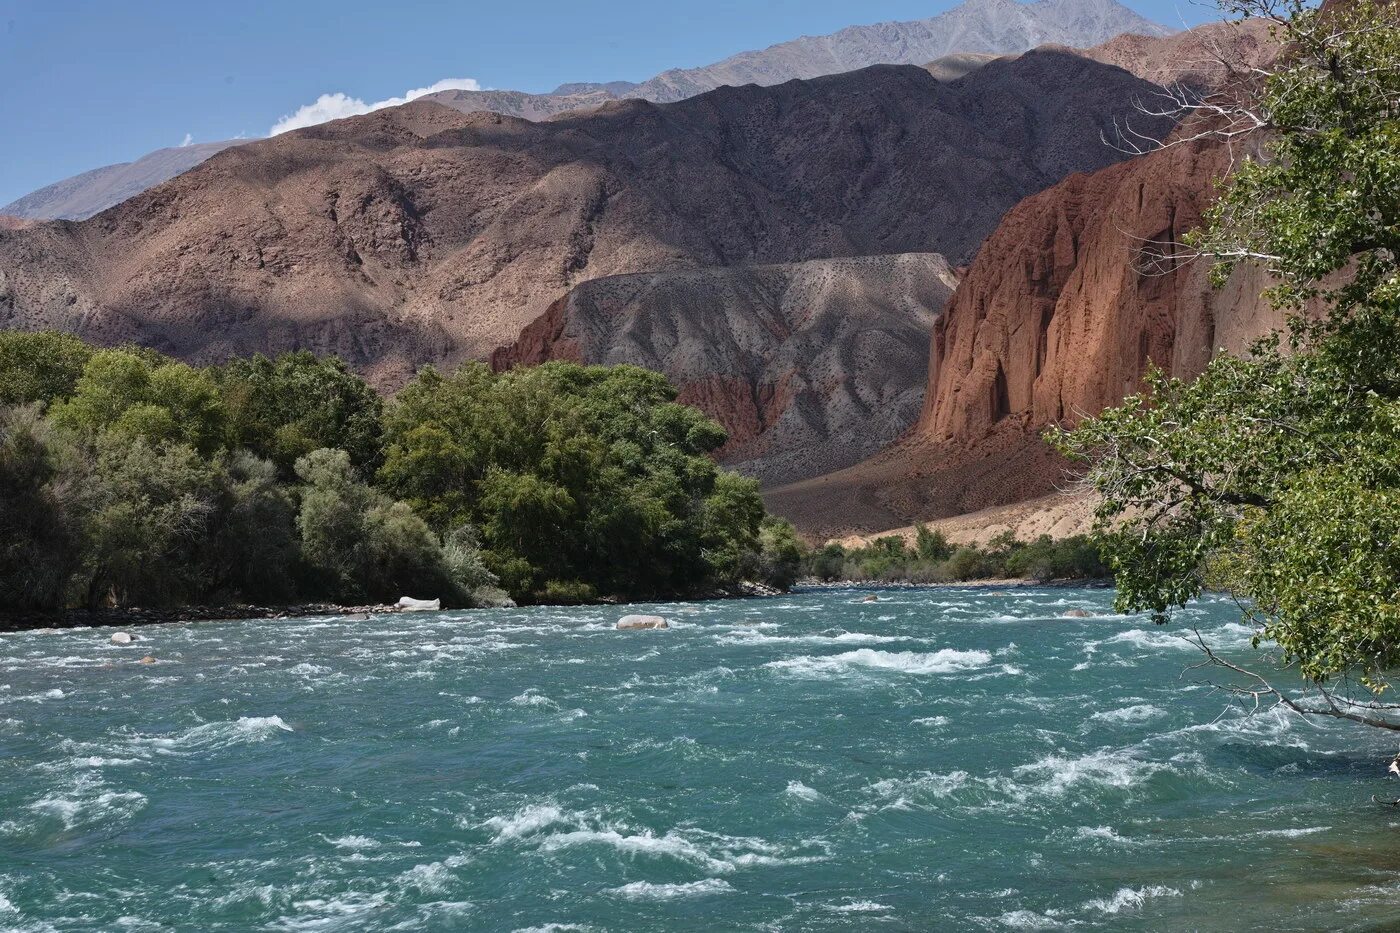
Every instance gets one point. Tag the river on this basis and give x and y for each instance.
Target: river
(944, 759)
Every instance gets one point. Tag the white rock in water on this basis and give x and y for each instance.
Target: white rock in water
(627, 623)
(419, 605)
(122, 638)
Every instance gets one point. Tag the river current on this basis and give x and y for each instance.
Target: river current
(944, 759)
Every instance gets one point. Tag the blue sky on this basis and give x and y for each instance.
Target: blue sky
(85, 83)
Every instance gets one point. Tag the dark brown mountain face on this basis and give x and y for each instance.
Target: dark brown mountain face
(422, 234)
(810, 366)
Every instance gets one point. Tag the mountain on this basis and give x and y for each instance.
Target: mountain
(1206, 58)
(958, 65)
(522, 105)
(1058, 318)
(82, 196)
(997, 27)
(420, 234)
(810, 366)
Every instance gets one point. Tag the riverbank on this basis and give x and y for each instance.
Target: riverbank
(136, 617)
(117, 618)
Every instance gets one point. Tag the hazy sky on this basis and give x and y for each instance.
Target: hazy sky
(85, 83)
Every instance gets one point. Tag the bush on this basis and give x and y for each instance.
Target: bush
(934, 560)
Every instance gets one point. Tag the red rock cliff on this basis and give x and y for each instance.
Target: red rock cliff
(1065, 306)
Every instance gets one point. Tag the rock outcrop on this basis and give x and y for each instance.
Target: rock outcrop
(418, 233)
(1058, 317)
(809, 366)
(1071, 299)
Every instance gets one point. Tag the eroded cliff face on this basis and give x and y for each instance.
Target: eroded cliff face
(1060, 315)
(1079, 290)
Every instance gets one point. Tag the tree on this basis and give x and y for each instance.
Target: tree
(251, 553)
(40, 531)
(141, 395)
(780, 554)
(580, 479)
(39, 367)
(146, 508)
(931, 546)
(362, 545)
(829, 563)
(282, 409)
(1278, 475)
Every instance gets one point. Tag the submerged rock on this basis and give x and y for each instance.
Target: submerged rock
(147, 660)
(1079, 614)
(633, 623)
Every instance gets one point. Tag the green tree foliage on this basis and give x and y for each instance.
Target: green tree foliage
(39, 530)
(934, 560)
(576, 477)
(136, 395)
(282, 409)
(252, 548)
(39, 367)
(359, 543)
(780, 554)
(931, 546)
(127, 478)
(146, 509)
(1278, 475)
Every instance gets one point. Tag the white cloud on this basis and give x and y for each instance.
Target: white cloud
(339, 105)
(188, 140)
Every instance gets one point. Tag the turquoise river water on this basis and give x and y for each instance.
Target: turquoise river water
(941, 760)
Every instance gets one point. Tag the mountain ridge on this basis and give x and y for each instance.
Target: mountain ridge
(419, 234)
(912, 43)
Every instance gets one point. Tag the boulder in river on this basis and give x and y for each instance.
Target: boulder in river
(635, 623)
(1079, 614)
(148, 660)
(122, 638)
(408, 604)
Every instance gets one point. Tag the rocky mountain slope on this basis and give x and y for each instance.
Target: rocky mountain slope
(1058, 317)
(520, 104)
(82, 196)
(998, 27)
(419, 234)
(809, 366)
